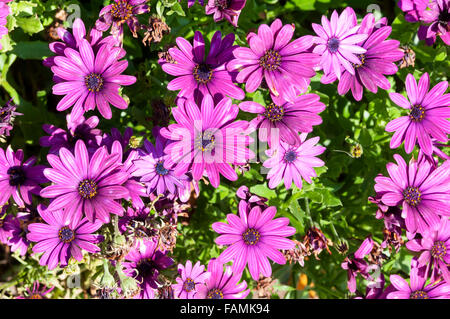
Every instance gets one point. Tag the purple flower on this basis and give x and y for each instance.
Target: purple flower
(86, 184)
(253, 238)
(18, 179)
(289, 118)
(189, 280)
(417, 289)
(191, 2)
(293, 163)
(207, 139)
(5, 11)
(285, 66)
(115, 135)
(423, 192)
(16, 229)
(225, 9)
(376, 62)
(7, 115)
(196, 76)
(91, 79)
(150, 167)
(337, 42)
(145, 263)
(38, 292)
(222, 284)
(80, 129)
(119, 12)
(413, 9)
(250, 200)
(62, 237)
(435, 249)
(439, 19)
(428, 113)
(356, 264)
(130, 218)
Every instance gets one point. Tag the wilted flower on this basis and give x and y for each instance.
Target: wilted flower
(315, 241)
(7, 116)
(37, 292)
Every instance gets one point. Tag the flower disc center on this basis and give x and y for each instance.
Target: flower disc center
(66, 234)
(290, 156)
(333, 45)
(419, 294)
(215, 294)
(439, 250)
(417, 113)
(160, 169)
(271, 60)
(93, 82)
(87, 189)
(189, 285)
(202, 73)
(16, 176)
(412, 196)
(274, 112)
(121, 10)
(251, 236)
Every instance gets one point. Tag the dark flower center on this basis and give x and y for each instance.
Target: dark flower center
(444, 17)
(290, 156)
(188, 285)
(362, 58)
(333, 44)
(87, 189)
(160, 169)
(215, 294)
(251, 236)
(205, 142)
(93, 82)
(202, 73)
(16, 176)
(66, 234)
(36, 296)
(121, 10)
(412, 196)
(417, 113)
(439, 250)
(222, 4)
(271, 60)
(419, 294)
(274, 112)
(147, 267)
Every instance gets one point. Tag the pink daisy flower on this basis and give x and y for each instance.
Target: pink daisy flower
(225, 9)
(292, 163)
(423, 193)
(254, 237)
(189, 280)
(337, 42)
(428, 113)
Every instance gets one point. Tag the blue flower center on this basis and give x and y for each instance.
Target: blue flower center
(333, 45)
(205, 141)
(202, 73)
(87, 189)
(412, 196)
(16, 176)
(215, 294)
(271, 60)
(66, 234)
(419, 294)
(274, 112)
(160, 169)
(121, 10)
(439, 250)
(93, 82)
(251, 236)
(290, 156)
(188, 285)
(417, 113)
(362, 58)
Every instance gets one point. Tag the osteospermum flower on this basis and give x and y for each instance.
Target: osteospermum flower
(37, 292)
(15, 227)
(222, 284)
(292, 163)
(417, 288)
(5, 11)
(284, 65)
(192, 2)
(119, 12)
(438, 18)
(376, 62)
(289, 118)
(198, 77)
(191, 277)
(7, 116)
(145, 261)
(413, 9)
(91, 79)
(207, 140)
(86, 184)
(19, 179)
(428, 113)
(149, 167)
(254, 237)
(225, 9)
(434, 248)
(62, 237)
(423, 193)
(337, 42)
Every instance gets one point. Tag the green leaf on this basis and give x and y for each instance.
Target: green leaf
(30, 25)
(34, 50)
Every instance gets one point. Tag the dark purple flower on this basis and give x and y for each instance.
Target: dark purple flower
(438, 18)
(197, 76)
(225, 9)
(7, 115)
(413, 9)
(18, 179)
(16, 229)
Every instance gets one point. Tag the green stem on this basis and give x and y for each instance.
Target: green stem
(308, 213)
